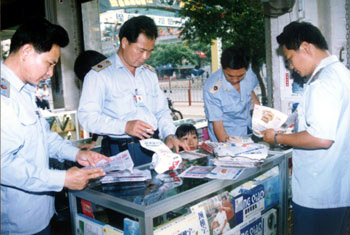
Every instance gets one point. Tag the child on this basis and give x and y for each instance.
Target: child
(187, 133)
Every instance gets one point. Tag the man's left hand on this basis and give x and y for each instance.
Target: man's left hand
(268, 135)
(173, 142)
(89, 158)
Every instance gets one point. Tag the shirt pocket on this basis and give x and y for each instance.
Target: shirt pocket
(30, 125)
(122, 103)
(232, 106)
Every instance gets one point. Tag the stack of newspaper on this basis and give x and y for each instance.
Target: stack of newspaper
(120, 169)
(126, 176)
(240, 155)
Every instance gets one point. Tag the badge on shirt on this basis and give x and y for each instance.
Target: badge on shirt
(216, 87)
(138, 99)
(102, 65)
(5, 87)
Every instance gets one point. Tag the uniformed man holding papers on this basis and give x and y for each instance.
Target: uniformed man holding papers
(121, 98)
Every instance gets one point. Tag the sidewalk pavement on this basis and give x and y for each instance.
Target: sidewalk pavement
(196, 110)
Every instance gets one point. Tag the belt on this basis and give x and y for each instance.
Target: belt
(131, 140)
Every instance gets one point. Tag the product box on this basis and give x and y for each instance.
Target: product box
(269, 219)
(191, 224)
(88, 226)
(248, 203)
(251, 226)
(218, 209)
(131, 227)
(109, 230)
(272, 188)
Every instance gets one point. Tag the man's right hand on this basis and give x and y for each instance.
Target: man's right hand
(77, 179)
(139, 129)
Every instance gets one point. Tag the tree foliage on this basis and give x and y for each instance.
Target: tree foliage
(175, 53)
(236, 22)
(170, 54)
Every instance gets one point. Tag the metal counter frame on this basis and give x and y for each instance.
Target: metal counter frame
(145, 214)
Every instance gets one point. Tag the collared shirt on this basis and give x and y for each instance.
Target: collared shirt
(108, 100)
(222, 102)
(321, 177)
(27, 203)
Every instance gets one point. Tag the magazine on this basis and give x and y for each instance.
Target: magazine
(267, 118)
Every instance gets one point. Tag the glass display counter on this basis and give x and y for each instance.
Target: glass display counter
(153, 204)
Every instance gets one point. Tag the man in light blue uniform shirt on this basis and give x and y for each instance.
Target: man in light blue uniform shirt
(121, 98)
(321, 156)
(27, 182)
(228, 95)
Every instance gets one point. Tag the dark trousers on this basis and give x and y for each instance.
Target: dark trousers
(112, 146)
(45, 231)
(308, 221)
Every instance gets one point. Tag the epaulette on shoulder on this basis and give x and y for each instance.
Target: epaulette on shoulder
(147, 66)
(216, 87)
(5, 87)
(102, 65)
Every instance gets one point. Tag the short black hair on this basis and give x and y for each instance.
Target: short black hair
(235, 58)
(41, 34)
(85, 61)
(297, 32)
(185, 129)
(132, 28)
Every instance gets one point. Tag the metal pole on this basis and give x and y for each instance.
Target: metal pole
(189, 93)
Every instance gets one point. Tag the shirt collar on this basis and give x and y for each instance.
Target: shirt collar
(119, 64)
(14, 80)
(324, 63)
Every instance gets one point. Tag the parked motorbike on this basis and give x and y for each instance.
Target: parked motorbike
(176, 114)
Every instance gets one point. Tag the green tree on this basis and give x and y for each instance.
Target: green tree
(171, 54)
(236, 22)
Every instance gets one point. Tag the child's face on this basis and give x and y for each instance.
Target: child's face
(191, 140)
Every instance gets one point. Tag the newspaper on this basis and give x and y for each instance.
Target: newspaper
(121, 161)
(193, 154)
(267, 118)
(126, 176)
(240, 140)
(212, 172)
(250, 151)
(199, 172)
(225, 173)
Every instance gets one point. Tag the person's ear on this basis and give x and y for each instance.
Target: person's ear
(306, 47)
(25, 51)
(125, 42)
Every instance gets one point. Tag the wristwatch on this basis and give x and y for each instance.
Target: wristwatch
(275, 140)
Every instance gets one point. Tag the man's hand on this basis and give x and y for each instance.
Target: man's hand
(77, 179)
(173, 142)
(139, 129)
(89, 158)
(268, 136)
